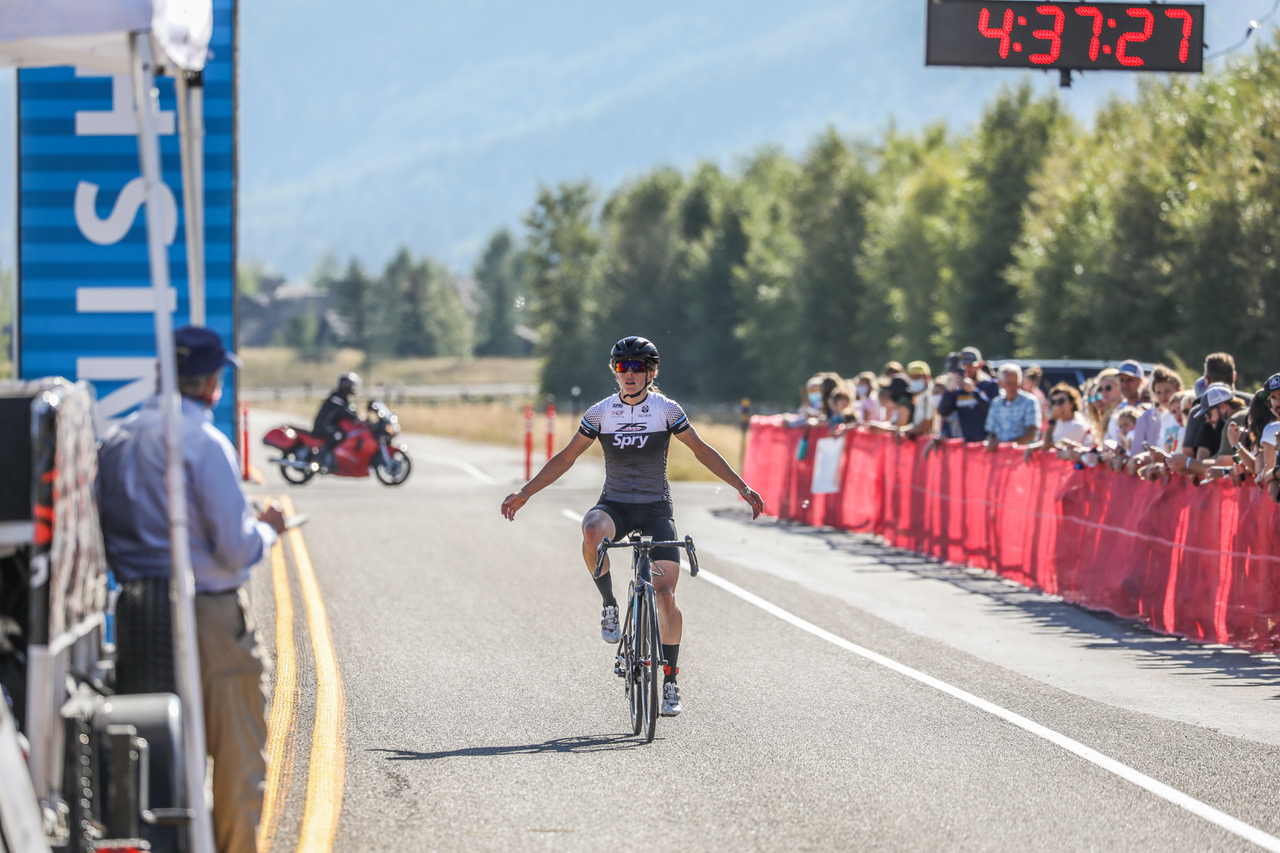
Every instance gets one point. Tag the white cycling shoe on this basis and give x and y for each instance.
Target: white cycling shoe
(671, 706)
(609, 630)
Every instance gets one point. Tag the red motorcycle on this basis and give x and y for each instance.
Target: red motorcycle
(366, 446)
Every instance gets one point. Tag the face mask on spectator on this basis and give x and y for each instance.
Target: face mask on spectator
(815, 398)
(915, 386)
(864, 391)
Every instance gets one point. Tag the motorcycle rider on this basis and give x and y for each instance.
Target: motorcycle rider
(337, 408)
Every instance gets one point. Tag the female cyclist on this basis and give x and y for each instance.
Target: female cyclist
(635, 427)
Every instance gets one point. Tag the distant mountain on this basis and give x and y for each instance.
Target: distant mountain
(431, 124)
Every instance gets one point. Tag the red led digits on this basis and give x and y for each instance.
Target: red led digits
(984, 21)
(1122, 44)
(1053, 36)
(1185, 17)
(1097, 28)
(1132, 36)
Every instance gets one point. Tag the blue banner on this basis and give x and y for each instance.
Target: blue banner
(84, 286)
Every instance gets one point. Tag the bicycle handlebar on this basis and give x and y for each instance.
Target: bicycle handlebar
(644, 544)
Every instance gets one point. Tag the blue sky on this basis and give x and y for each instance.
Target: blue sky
(431, 125)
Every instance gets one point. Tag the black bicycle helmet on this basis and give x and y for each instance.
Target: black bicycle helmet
(348, 383)
(633, 346)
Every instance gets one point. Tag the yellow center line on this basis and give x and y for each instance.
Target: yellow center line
(326, 775)
(283, 723)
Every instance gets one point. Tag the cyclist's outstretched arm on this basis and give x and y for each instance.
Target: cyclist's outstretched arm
(552, 471)
(715, 463)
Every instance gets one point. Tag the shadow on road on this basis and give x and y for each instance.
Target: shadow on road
(599, 743)
(1094, 629)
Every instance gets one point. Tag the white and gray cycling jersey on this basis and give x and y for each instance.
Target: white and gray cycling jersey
(635, 439)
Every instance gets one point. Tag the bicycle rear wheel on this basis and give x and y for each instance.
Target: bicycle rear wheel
(649, 654)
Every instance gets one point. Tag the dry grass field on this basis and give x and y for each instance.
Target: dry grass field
(276, 367)
(503, 423)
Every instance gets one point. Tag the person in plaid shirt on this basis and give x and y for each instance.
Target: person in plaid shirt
(1014, 416)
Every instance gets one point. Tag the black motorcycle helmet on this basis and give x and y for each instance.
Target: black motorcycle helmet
(633, 346)
(348, 383)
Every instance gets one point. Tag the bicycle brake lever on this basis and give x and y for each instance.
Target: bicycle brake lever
(693, 556)
(601, 550)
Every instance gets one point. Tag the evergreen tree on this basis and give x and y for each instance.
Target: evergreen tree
(839, 316)
(1003, 159)
(714, 246)
(562, 255)
(910, 243)
(450, 329)
(642, 274)
(500, 276)
(765, 281)
(353, 298)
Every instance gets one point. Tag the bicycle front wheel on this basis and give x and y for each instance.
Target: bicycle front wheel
(631, 666)
(649, 654)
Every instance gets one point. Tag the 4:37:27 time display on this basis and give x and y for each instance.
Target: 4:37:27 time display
(1140, 37)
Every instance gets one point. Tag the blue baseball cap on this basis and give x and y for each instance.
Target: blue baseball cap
(200, 352)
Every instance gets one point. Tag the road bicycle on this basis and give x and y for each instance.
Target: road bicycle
(640, 649)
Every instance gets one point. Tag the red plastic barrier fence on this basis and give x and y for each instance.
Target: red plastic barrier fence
(1200, 562)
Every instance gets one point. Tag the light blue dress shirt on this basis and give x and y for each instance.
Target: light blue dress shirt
(226, 537)
(1009, 419)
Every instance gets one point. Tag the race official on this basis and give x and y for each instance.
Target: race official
(226, 541)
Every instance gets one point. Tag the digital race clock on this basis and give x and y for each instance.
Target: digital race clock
(1083, 36)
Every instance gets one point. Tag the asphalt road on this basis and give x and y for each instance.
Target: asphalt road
(481, 711)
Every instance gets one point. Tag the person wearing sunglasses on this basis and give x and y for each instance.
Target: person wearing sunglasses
(1199, 441)
(1067, 426)
(1103, 398)
(634, 427)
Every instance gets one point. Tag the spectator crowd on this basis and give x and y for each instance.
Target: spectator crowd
(1145, 424)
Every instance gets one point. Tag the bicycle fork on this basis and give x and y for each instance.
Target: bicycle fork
(625, 651)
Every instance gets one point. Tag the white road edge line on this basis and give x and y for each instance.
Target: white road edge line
(456, 463)
(575, 517)
(1165, 792)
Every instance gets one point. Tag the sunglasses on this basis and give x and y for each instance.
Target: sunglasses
(630, 366)
(1106, 387)
(1058, 401)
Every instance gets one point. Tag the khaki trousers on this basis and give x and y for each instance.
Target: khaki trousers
(233, 668)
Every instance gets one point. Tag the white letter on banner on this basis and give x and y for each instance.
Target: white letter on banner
(141, 370)
(120, 300)
(121, 120)
(106, 232)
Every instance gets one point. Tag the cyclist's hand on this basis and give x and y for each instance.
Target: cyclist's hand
(757, 504)
(512, 504)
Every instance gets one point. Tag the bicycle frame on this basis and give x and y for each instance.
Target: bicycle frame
(640, 632)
